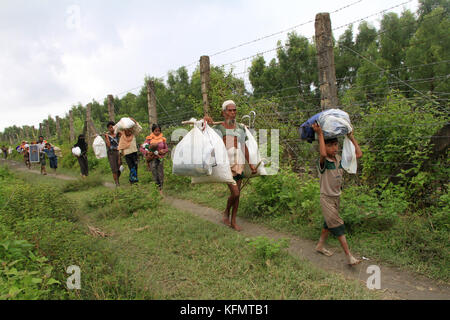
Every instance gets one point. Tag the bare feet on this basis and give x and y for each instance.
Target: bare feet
(324, 251)
(353, 261)
(235, 227)
(226, 219)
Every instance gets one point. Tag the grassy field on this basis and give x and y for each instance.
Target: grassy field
(154, 251)
(408, 243)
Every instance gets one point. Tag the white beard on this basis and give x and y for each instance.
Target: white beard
(230, 122)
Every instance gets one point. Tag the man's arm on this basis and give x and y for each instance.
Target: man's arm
(323, 152)
(108, 144)
(358, 151)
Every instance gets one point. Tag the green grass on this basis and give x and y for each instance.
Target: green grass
(178, 256)
(164, 253)
(409, 244)
(428, 254)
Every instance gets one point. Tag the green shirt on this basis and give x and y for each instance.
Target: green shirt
(238, 132)
(331, 178)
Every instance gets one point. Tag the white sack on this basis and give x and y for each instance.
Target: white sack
(349, 156)
(192, 155)
(124, 123)
(221, 171)
(254, 157)
(99, 147)
(76, 151)
(334, 123)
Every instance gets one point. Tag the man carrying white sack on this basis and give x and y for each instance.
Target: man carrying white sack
(234, 137)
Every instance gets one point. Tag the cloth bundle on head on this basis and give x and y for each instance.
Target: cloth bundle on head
(226, 103)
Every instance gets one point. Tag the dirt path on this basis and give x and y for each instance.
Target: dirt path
(395, 283)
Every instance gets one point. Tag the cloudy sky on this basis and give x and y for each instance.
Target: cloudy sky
(56, 53)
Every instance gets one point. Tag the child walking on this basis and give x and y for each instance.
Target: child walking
(53, 159)
(331, 176)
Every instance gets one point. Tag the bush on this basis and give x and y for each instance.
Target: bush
(266, 248)
(276, 195)
(440, 214)
(361, 207)
(25, 275)
(396, 146)
(26, 201)
(83, 183)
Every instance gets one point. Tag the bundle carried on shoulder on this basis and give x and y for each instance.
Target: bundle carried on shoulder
(202, 155)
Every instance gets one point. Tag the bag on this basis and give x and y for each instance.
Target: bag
(99, 147)
(192, 155)
(348, 161)
(253, 156)
(334, 123)
(221, 171)
(306, 131)
(76, 151)
(124, 123)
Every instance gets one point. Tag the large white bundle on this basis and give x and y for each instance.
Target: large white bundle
(349, 162)
(192, 155)
(124, 123)
(76, 151)
(254, 157)
(334, 123)
(99, 147)
(221, 171)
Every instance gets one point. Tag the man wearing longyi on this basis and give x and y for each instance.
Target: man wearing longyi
(234, 137)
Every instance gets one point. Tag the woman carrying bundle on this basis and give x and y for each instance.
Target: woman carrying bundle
(157, 149)
(128, 148)
(82, 159)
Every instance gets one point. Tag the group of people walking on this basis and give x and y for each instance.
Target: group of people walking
(123, 145)
(39, 150)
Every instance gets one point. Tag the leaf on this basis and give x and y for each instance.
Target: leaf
(53, 281)
(13, 291)
(36, 280)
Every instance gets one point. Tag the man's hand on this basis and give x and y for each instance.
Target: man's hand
(208, 119)
(253, 168)
(350, 135)
(317, 129)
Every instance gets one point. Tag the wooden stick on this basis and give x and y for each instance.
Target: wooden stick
(193, 122)
(248, 179)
